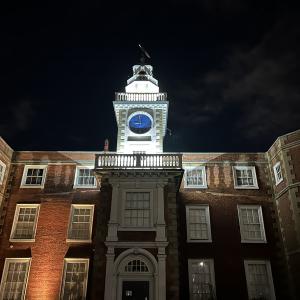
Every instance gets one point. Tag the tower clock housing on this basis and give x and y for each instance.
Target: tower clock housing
(141, 113)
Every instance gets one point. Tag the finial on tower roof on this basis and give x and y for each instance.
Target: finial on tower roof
(144, 54)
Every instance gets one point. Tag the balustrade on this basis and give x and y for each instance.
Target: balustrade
(138, 161)
(141, 96)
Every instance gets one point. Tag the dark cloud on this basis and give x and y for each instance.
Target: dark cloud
(258, 86)
(17, 118)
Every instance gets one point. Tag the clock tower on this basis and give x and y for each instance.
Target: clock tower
(141, 112)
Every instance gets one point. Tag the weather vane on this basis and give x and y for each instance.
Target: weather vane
(144, 54)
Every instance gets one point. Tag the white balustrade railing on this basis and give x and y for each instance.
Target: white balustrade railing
(138, 161)
(141, 96)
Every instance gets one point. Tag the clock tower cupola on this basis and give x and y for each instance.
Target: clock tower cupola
(141, 112)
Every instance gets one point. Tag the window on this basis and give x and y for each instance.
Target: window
(136, 265)
(137, 209)
(84, 177)
(81, 222)
(198, 223)
(25, 221)
(2, 171)
(195, 177)
(14, 278)
(251, 224)
(244, 177)
(75, 279)
(259, 279)
(34, 176)
(277, 173)
(202, 279)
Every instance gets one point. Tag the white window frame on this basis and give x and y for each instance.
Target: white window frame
(81, 186)
(5, 273)
(40, 186)
(252, 168)
(124, 227)
(3, 165)
(277, 179)
(74, 260)
(212, 273)
(79, 206)
(207, 214)
(195, 167)
(269, 274)
(15, 222)
(261, 222)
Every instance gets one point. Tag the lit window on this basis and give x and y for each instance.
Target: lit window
(277, 173)
(136, 265)
(202, 279)
(14, 278)
(195, 177)
(84, 177)
(251, 223)
(75, 279)
(198, 223)
(34, 176)
(2, 171)
(244, 177)
(137, 209)
(25, 222)
(81, 222)
(259, 279)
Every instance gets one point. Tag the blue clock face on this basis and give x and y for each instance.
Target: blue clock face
(140, 123)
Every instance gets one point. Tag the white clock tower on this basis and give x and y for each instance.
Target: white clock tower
(141, 113)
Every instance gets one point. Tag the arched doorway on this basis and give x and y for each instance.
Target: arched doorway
(136, 275)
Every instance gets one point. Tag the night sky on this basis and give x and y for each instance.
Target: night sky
(230, 68)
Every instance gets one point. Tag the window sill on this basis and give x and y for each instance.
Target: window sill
(199, 241)
(196, 187)
(254, 241)
(78, 241)
(22, 240)
(31, 186)
(137, 229)
(85, 186)
(277, 182)
(246, 187)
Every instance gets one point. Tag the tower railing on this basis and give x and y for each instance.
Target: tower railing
(141, 96)
(138, 161)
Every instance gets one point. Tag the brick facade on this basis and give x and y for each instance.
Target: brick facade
(280, 207)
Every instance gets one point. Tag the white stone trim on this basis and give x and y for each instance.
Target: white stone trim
(15, 222)
(23, 181)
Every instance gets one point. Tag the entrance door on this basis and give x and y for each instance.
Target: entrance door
(135, 290)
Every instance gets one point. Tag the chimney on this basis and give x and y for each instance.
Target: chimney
(106, 145)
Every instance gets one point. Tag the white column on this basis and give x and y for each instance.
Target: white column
(161, 274)
(160, 223)
(113, 223)
(109, 289)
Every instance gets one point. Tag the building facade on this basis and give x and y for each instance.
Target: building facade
(140, 223)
